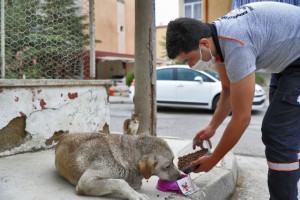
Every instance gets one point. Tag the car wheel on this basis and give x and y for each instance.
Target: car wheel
(215, 102)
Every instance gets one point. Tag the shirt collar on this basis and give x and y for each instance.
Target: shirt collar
(216, 41)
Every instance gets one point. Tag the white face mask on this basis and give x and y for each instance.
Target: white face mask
(200, 65)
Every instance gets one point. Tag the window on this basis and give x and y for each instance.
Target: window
(212, 73)
(190, 75)
(193, 9)
(165, 74)
(186, 75)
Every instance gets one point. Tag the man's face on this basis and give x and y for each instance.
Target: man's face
(190, 58)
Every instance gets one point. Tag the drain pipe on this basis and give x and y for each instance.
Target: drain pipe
(206, 11)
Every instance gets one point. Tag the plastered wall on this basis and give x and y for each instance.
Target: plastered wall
(33, 111)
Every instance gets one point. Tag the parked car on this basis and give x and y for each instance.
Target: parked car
(181, 86)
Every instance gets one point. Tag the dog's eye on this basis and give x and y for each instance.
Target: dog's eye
(168, 166)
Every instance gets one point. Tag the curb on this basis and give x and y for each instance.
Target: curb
(217, 184)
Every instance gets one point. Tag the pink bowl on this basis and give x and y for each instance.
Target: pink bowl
(168, 186)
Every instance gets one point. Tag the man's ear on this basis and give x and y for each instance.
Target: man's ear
(205, 42)
(146, 165)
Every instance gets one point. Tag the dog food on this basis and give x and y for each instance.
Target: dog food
(185, 160)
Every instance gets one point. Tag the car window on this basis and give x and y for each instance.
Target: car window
(190, 75)
(213, 73)
(165, 74)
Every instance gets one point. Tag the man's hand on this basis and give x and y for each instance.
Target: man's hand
(206, 163)
(202, 135)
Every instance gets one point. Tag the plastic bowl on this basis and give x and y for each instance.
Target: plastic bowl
(169, 186)
(188, 149)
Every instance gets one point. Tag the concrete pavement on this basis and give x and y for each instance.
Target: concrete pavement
(252, 179)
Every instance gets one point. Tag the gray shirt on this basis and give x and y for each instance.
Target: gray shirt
(259, 36)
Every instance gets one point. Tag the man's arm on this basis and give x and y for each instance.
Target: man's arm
(222, 110)
(241, 98)
(224, 105)
(242, 94)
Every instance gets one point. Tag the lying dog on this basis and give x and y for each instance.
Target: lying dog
(99, 164)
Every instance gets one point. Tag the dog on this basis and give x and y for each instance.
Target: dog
(100, 164)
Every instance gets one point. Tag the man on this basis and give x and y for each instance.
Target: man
(257, 36)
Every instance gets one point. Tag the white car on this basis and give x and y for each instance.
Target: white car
(181, 86)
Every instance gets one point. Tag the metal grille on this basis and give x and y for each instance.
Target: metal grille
(45, 39)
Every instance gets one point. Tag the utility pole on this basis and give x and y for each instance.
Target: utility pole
(145, 66)
(92, 39)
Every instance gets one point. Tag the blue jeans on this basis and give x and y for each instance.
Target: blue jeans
(281, 133)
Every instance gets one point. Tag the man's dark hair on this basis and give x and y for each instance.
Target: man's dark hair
(183, 35)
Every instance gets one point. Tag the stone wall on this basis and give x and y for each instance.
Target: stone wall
(32, 112)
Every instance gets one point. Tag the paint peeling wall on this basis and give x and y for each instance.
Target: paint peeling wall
(50, 106)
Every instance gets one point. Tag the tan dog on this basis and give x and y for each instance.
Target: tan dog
(99, 164)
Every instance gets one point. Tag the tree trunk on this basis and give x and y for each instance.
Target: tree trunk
(145, 66)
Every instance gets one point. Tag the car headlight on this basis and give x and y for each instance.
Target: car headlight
(259, 90)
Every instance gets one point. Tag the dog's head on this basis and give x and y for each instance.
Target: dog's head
(159, 161)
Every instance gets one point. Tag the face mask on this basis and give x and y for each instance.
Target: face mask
(200, 65)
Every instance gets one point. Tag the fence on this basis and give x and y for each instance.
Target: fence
(47, 39)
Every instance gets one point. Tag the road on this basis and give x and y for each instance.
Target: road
(184, 124)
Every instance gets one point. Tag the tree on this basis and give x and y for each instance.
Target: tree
(50, 40)
(20, 18)
(163, 44)
(60, 42)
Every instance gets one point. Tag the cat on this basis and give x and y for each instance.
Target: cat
(130, 126)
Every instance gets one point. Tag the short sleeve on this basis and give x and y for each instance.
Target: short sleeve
(239, 63)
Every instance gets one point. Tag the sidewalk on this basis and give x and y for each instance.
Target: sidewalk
(31, 176)
(119, 99)
(252, 179)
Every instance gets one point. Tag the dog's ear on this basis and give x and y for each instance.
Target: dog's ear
(146, 165)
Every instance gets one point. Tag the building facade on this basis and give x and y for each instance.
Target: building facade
(115, 27)
(204, 10)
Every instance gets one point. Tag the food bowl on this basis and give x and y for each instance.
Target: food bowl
(169, 186)
(189, 154)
